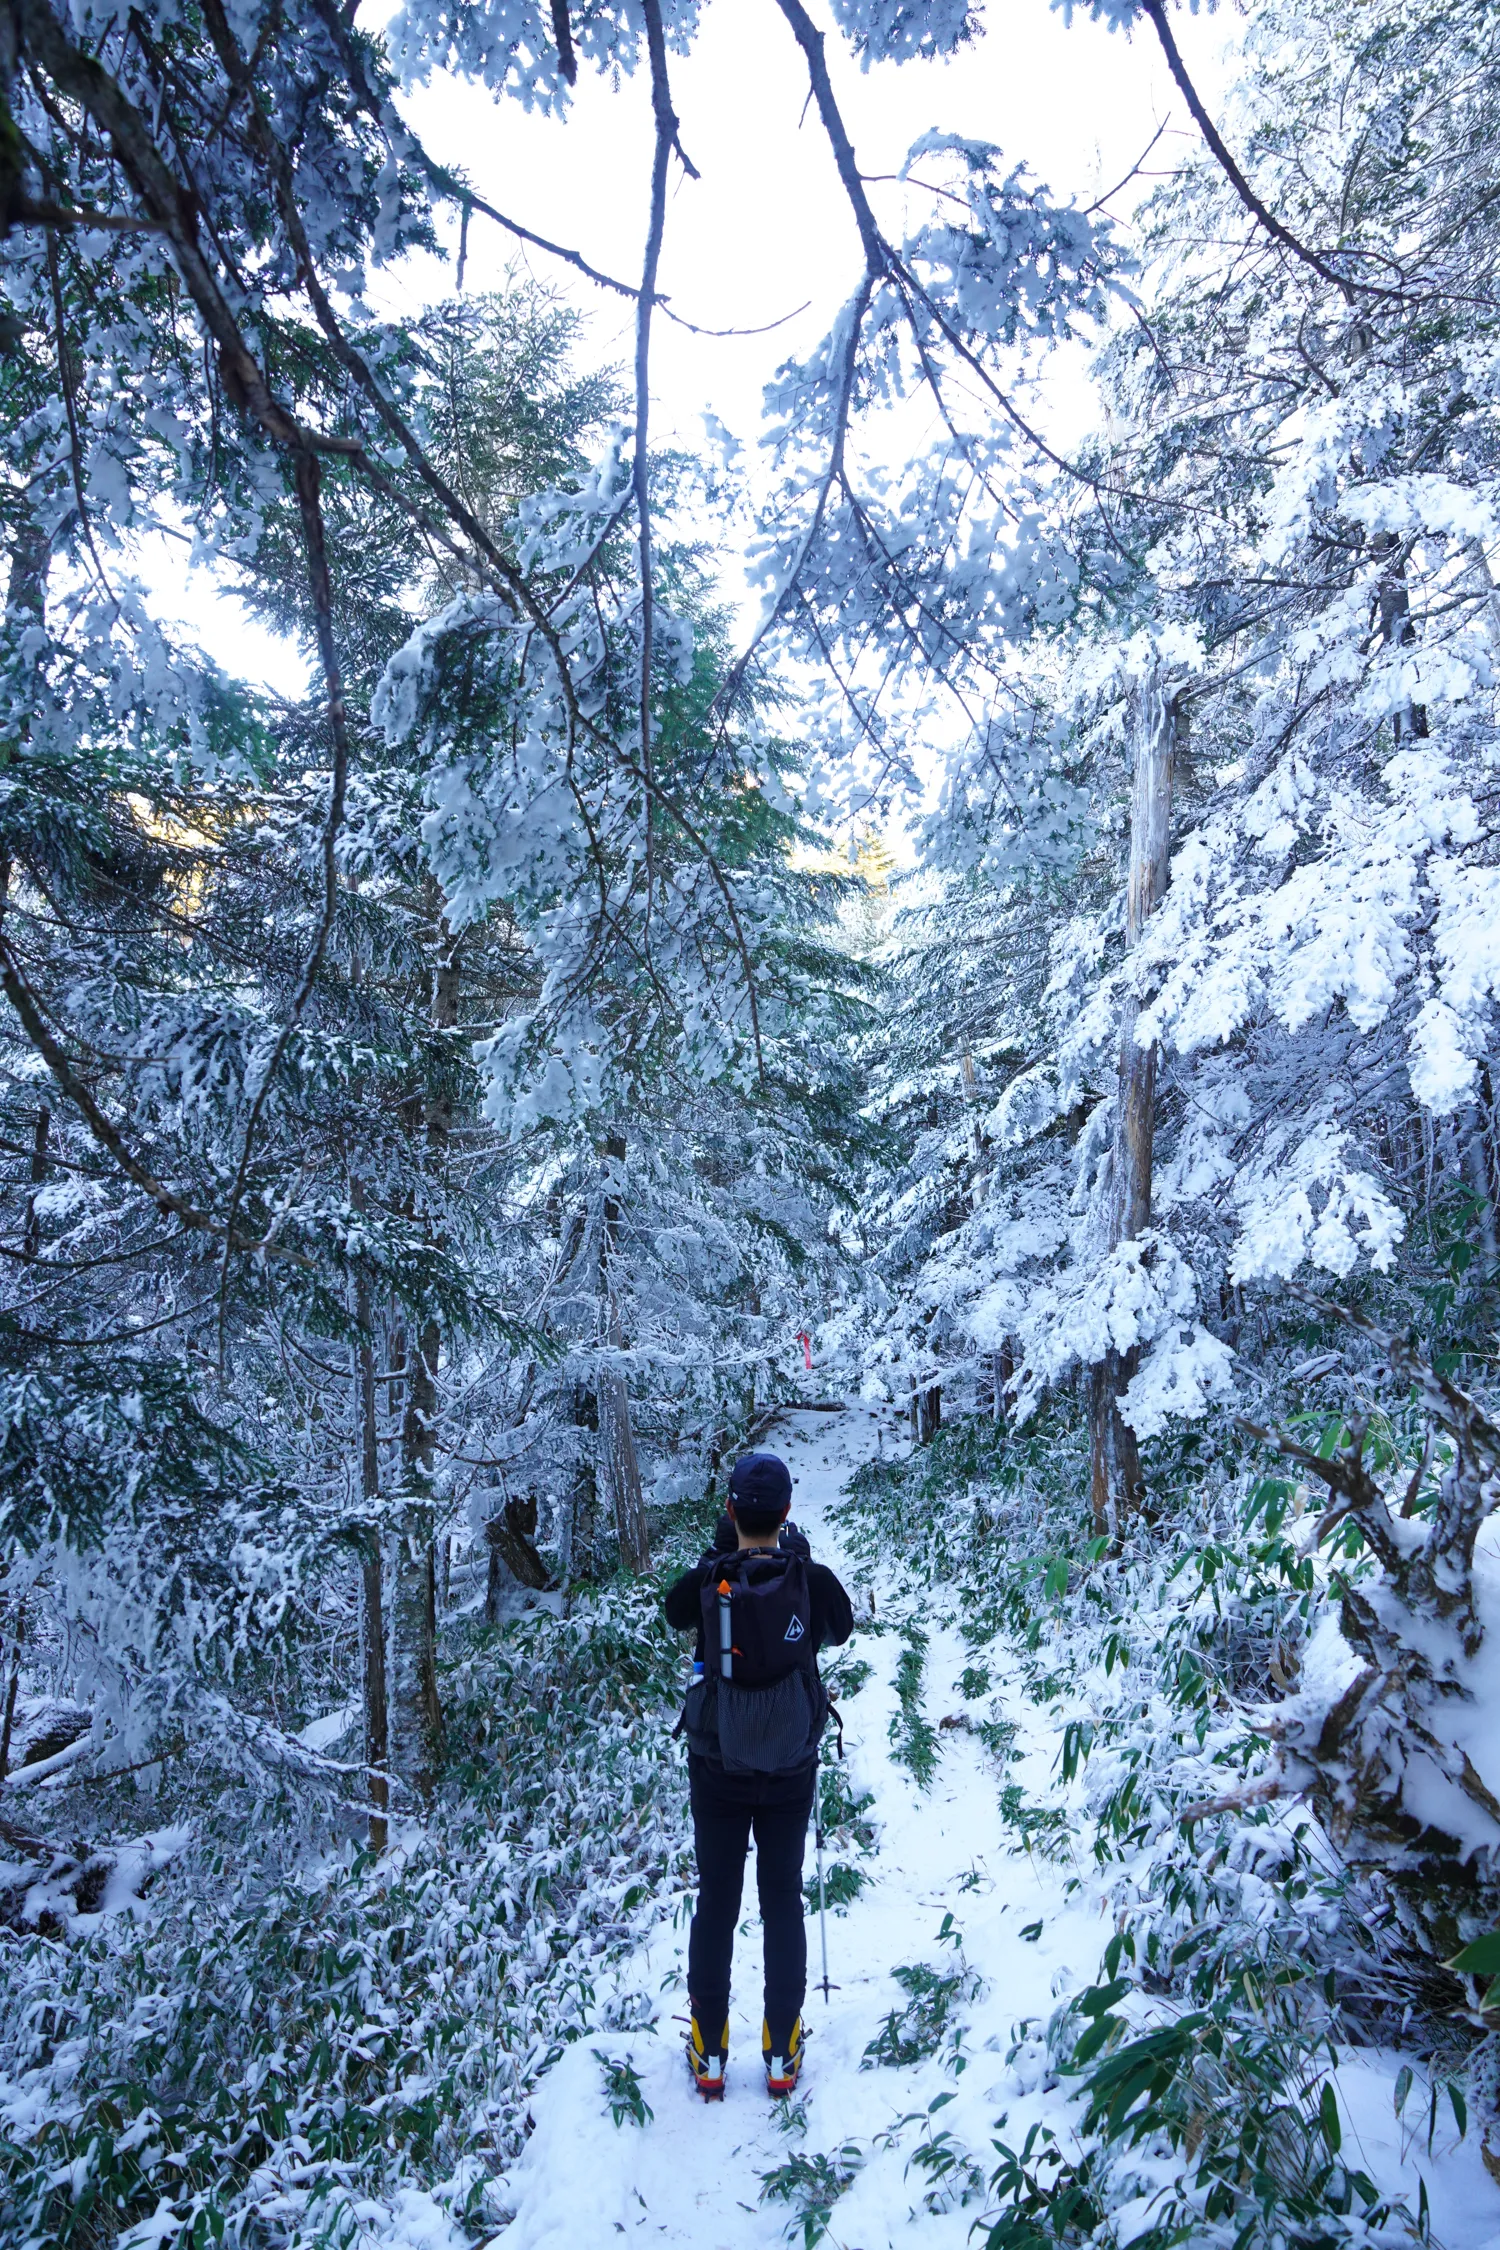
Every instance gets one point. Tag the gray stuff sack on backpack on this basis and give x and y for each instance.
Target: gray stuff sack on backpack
(772, 1729)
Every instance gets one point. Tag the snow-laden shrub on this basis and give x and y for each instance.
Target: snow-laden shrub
(1250, 1950)
(271, 2059)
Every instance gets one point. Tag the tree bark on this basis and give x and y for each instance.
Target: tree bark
(511, 1540)
(416, 1719)
(12, 1683)
(996, 1370)
(622, 1470)
(617, 1453)
(1393, 600)
(372, 1578)
(31, 1239)
(1116, 1488)
(581, 1528)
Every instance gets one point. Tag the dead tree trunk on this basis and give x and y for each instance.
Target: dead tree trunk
(617, 1454)
(511, 1539)
(1115, 1484)
(926, 1412)
(1402, 1765)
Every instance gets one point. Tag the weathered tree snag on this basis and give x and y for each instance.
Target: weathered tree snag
(1378, 1759)
(511, 1540)
(926, 1412)
(1115, 1484)
(617, 1454)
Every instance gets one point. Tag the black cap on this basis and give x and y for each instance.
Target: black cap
(761, 1483)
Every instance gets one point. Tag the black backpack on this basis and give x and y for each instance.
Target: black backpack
(764, 1709)
(757, 1614)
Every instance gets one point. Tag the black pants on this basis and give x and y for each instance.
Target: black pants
(726, 1808)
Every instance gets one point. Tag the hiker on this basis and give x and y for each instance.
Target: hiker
(753, 1721)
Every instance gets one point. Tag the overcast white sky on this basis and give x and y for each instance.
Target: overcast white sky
(766, 229)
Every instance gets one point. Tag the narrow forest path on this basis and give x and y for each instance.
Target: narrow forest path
(694, 2173)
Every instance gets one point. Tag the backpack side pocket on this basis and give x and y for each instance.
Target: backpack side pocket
(700, 1718)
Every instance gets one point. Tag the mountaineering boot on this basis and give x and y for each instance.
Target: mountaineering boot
(782, 2070)
(706, 2063)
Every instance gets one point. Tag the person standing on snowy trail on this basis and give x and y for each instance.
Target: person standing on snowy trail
(753, 1718)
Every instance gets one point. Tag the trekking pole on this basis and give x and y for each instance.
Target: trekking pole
(825, 1987)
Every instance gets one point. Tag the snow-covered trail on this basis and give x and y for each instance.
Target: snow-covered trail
(693, 2175)
(1031, 1930)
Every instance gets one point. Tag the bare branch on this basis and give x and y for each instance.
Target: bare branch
(1236, 178)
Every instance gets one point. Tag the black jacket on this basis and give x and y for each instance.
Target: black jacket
(832, 1617)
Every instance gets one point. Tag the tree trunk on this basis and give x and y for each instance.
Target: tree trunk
(616, 1438)
(372, 1587)
(416, 1715)
(1115, 1484)
(581, 1527)
(622, 1471)
(990, 1390)
(1474, 549)
(377, 1712)
(510, 1537)
(31, 1239)
(1409, 723)
(976, 1142)
(12, 1683)
(1476, 1163)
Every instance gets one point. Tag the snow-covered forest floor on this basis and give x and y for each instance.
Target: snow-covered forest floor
(965, 1938)
(1043, 975)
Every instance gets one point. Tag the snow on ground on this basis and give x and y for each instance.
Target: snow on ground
(947, 1870)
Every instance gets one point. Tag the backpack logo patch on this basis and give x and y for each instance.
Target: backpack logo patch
(795, 1630)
